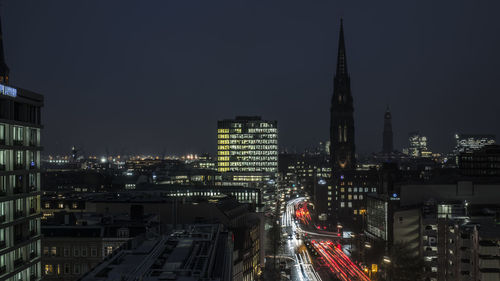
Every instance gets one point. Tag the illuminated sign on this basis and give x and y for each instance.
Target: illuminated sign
(395, 197)
(8, 91)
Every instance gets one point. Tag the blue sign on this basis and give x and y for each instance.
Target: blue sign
(8, 91)
(394, 195)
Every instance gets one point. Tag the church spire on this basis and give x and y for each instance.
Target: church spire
(4, 69)
(342, 142)
(341, 56)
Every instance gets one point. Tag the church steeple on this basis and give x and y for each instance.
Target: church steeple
(4, 69)
(387, 139)
(342, 140)
(341, 56)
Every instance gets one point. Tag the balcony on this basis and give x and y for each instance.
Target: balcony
(32, 211)
(3, 244)
(3, 193)
(2, 167)
(18, 262)
(32, 143)
(2, 218)
(18, 142)
(17, 190)
(3, 269)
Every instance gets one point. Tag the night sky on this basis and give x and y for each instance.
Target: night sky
(148, 76)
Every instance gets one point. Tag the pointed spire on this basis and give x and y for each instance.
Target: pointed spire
(4, 69)
(341, 56)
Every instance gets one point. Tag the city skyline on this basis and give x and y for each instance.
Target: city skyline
(412, 67)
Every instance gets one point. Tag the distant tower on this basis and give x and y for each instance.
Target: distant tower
(387, 144)
(74, 153)
(342, 149)
(4, 69)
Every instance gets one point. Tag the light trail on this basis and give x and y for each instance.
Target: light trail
(338, 262)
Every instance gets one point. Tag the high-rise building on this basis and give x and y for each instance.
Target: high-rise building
(20, 126)
(247, 151)
(469, 143)
(418, 146)
(387, 143)
(342, 114)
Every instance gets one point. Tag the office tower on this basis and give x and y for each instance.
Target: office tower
(471, 142)
(247, 150)
(418, 146)
(342, 114)
(387, 143)
(20, 148)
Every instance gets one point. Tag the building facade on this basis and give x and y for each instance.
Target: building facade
(20, 126)
(247, 149)
(247, 155)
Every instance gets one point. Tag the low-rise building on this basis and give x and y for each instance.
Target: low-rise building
(196, 252)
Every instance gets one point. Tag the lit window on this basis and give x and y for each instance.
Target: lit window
(109, 250)
(53, 251)
(349, 204)
(355, 212)
(49, 269)
(342, 204)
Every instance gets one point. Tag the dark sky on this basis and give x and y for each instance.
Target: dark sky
(144, 76)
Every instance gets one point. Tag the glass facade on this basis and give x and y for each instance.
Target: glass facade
(247, 147)
(20, 149)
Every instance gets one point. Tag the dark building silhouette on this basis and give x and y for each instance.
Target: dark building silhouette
(4, 69)
(342, 114)
(387, 143)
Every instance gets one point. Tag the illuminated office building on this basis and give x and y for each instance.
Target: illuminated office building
(19, 180)
(247, 151)
(418, 146)
(469, 143)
